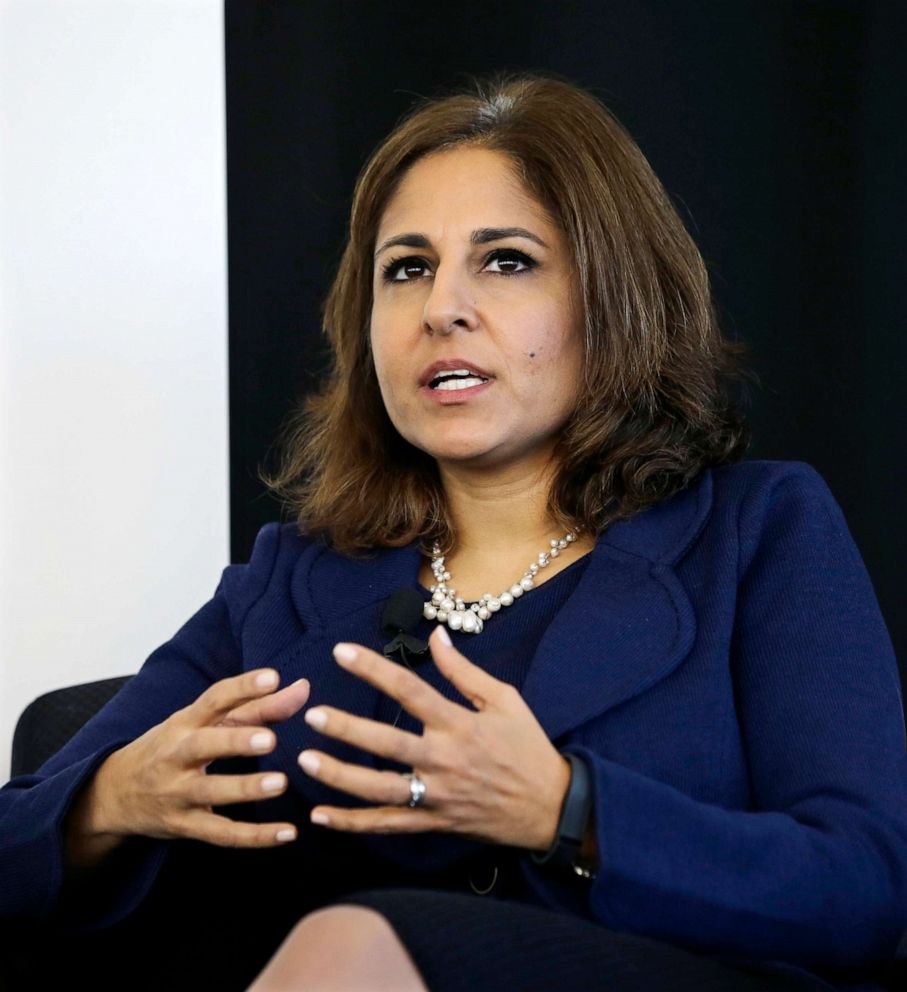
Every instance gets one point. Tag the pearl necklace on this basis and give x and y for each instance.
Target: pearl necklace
(446, 606)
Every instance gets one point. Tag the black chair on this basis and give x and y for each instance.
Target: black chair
(49, 721)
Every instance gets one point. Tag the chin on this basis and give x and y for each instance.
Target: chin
(475, 452)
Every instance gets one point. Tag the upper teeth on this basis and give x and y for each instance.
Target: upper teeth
(471, 379)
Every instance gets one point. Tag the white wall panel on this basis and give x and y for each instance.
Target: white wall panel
(113, 341)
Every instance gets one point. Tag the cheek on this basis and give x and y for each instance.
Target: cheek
(549, 352)
(382, 354)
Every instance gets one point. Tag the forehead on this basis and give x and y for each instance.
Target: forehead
(468, 186)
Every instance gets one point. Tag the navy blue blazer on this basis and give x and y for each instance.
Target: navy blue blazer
(722, 664)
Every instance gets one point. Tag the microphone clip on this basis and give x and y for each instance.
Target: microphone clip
(406, 644)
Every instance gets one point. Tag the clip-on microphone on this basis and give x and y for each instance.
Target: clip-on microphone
(402, 613)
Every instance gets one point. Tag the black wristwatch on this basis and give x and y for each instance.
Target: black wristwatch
(573, 823)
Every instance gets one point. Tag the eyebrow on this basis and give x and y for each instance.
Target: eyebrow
(479, 237)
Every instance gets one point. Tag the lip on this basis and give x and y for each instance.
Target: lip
(447, 397)
(452, 363)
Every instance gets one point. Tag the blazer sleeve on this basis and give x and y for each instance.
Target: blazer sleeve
(815, 873)
(32, 807)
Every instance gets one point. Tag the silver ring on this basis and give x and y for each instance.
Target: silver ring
(416, 789)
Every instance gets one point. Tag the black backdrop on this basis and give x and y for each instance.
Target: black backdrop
(778, 128)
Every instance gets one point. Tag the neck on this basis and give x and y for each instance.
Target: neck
(497, 514)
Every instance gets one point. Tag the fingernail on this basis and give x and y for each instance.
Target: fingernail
(309, 762)
(320, 818)
(271, 783)
(444, 636)
(317, 718)
(260, 741)
(345, 652)
(284, 835)
(266, 679)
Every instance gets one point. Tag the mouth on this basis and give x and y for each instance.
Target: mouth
(446, 389)
(456, 379)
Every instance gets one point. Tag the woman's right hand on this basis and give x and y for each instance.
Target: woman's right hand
(157, 785)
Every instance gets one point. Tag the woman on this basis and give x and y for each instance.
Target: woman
(657, 741)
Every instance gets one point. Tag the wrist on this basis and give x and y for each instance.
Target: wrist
(571, 833)
(88, 834)
(555, 807)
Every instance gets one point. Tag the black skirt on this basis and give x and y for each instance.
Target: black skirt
(216, 916)
(462, 941)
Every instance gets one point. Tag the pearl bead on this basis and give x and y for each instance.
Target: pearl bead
(469, 623)
(527, 584)
(447, 604)
(455, 620)
(506, 599)
(516, 591)
(494, 605)
(429, 612)
(437, 598)
(442, 616)
(484, 614)
(554, 552)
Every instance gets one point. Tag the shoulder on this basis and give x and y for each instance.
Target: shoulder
(788, 502)
(717, 506)
(275, 553)
(761, 487)
(759, 479)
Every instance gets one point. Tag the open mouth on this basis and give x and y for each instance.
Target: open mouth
(456, 380)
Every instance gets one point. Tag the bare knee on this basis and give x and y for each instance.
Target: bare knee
(341, 949)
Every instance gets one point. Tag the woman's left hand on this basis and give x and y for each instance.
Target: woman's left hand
(490, 774)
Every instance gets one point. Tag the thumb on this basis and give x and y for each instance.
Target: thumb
(280, 705)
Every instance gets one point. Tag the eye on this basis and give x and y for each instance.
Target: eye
(507, 256)
(393, 271)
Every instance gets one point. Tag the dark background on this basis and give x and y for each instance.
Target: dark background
(777, 127)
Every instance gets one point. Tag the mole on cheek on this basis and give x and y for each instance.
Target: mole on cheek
(532, 354)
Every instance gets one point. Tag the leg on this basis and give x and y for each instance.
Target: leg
(341, 949)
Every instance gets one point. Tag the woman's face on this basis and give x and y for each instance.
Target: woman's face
(464, 291)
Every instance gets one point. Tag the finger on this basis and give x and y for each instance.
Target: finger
(224, 832)
(207, 743)
(221, 697)
(370, 735)
(380, 819)
(366, 783)
(271, 709)
(416, 696)
(222, 790)
(477, 685)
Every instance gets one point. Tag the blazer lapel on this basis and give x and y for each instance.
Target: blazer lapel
(627, 625)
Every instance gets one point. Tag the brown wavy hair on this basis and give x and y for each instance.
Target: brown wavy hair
(654, 408)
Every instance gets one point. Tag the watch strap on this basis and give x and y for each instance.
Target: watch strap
(574, 819)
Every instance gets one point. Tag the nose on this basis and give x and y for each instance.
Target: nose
(449, 303)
